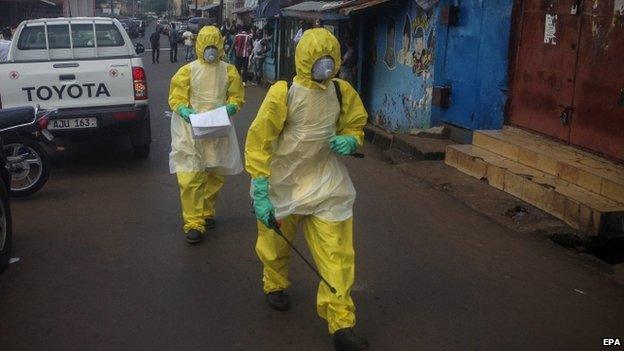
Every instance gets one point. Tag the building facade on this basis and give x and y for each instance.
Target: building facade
(427, 63)
(398, 65)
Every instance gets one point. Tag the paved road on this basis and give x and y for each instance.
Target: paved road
(104, 266)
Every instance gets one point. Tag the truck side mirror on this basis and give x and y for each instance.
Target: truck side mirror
(139, 48)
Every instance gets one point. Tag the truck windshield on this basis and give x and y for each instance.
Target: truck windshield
(33, 37)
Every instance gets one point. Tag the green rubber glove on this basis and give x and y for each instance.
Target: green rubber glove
(231, 109)
(262, 204)
(185, 112)
(343, 144)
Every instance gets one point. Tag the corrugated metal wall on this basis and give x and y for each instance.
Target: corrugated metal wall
(568, 76)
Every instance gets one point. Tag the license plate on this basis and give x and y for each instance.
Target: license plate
(73, 123)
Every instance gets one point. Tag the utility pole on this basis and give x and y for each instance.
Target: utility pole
(196, 8)
(220, 17)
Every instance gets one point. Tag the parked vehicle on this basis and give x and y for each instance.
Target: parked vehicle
(9, 119)
(131, 27)
(99, 86)
(27, 161)
(195, 24)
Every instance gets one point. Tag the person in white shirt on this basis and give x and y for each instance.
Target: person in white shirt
(260, 49)
(5, 44)
(188, 44)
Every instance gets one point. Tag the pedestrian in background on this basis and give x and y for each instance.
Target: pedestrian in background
(228, 46)
(188, 44)
(254, 33)
(155, 42)
(5, 43)
(173, 43)
(226, 27)
(260, 49)
(242, 46)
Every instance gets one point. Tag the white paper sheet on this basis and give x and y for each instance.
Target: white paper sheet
(210, 133)
(210, 119)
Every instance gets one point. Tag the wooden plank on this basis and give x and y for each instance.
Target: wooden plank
(536, 160)
(495, 145)
(581, 168)
(578, 207)
(496, 176)
(612, 190)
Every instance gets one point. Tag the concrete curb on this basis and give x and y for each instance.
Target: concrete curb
(413, 147)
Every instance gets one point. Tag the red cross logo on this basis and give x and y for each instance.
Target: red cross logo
(113, 73)
(13, 75)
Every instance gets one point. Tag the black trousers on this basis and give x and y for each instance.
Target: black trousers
(155, 54)
(241, 65)
(173, 54)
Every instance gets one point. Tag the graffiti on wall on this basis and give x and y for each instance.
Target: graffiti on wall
(417, 43)
(405, 54)
(403, 85)
(424, 39)
(389, 57)
(373, 44)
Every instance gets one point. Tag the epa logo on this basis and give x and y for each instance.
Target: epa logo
(611, 342)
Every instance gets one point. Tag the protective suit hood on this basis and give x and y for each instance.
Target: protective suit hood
(208, 36)
(314, 44)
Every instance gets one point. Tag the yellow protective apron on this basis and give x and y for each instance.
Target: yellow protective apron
(307, 178)
(209, 85)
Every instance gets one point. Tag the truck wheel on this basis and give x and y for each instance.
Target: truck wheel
(30, 167)
(141, 151)
(6, 232)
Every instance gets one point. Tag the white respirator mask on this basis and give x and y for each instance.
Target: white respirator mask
(323, 69)
(210, 54)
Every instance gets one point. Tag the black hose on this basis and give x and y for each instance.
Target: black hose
(275, 226)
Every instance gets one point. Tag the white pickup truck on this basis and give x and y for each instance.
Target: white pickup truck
(88, 69)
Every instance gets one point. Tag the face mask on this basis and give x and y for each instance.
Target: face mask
(323, 69)
(210, 54)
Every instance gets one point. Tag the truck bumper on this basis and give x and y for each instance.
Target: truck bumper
(110, 120)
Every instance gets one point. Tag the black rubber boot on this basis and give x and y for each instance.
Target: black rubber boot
(346, 340)
(278, 300)
(193, 236)
(211, 223)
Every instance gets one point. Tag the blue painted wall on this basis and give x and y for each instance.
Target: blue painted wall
(398, 78)
(473, 58)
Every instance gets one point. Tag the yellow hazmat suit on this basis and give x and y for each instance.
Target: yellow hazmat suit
(288, 143)
(200, 164)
